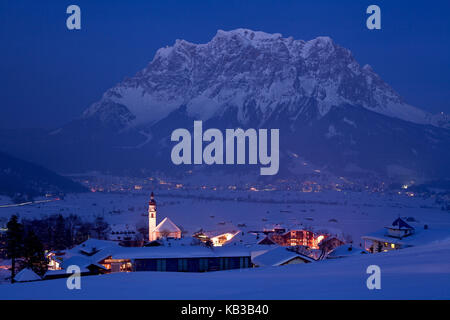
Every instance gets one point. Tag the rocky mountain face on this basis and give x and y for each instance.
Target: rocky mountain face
(329, 109)
(257, 74)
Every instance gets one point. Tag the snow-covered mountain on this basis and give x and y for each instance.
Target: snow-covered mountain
(250, 71)
(330, 111)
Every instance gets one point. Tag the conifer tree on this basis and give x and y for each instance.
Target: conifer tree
(14, 239)
(34, 254)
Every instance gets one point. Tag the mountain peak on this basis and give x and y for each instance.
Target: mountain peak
(255, 73)
(248, 34)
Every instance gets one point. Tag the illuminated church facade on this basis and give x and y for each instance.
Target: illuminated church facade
(165, 229)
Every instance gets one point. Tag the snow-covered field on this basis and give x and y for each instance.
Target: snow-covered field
(351, 213)
(420, 272)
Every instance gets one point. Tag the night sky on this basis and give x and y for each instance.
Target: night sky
(49, 74)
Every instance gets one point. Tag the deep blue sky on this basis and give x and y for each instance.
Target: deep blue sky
(49, 74)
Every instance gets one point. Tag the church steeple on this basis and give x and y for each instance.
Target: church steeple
(151, 218)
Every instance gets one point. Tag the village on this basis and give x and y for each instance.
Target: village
(166, 247)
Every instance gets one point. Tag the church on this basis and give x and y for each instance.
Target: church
(165, 229)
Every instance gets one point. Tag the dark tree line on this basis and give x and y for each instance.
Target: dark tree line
(24, 249)
(26, 242)
(58, 232)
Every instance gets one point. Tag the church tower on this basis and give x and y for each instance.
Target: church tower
(151, 218)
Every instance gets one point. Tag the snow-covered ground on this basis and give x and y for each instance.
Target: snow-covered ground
(351, 213)
(420, 272)
(413, 273)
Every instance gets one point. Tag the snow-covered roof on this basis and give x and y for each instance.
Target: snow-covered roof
(55, 272)
(400, 224)
(345, 251)
(167, 226)
(183, 242)
(26, 275)
(84, 262)
(88, 253)
(164, 252)
(267, 240)
(278, 256)
(93, 245)
(242, 238)
(223, 227)
(182, 248)
(419, 237)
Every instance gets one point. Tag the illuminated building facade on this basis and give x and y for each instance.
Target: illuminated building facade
(165, 229)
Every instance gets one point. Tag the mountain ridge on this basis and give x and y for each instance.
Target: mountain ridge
(22, 177)
(330, 110)
(241, 67)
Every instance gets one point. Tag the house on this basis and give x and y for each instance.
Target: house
(294, 237)
(399, 229)
(401, 235)
(123, 232)
(89, 270)
(280, 256)
(89, 252)
(390, 238)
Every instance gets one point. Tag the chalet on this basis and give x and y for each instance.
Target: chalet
(89, 252)
(217, 238)
(399, 229)
(280, 256)
(391, 238)
(290, 238)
